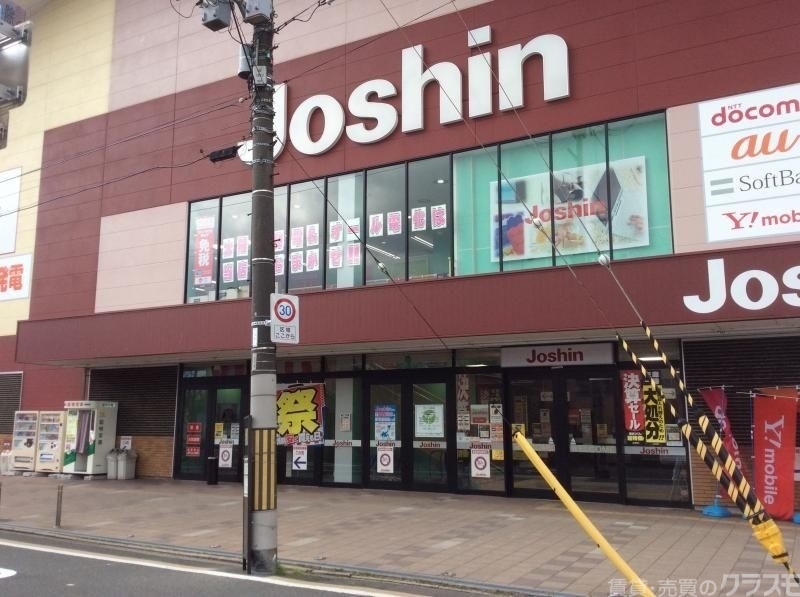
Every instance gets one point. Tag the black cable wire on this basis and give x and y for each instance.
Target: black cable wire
(112, 181)
(189, 16)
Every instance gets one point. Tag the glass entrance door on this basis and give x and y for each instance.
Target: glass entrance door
(569, 417)
(211, 414)
(408, 434)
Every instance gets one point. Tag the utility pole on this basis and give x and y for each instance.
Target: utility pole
(261, 522)
(263, 531)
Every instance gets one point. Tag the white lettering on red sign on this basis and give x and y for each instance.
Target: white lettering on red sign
(752, 290)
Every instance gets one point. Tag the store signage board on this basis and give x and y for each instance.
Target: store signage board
(557, 355)
(751, 164)
(285, 318)
(374, 119)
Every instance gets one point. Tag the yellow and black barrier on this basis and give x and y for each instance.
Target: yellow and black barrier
(262, 461)
(637, 584)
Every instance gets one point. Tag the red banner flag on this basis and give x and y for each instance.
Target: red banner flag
(717, 402)
(774, 423)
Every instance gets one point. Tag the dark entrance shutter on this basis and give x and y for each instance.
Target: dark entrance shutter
(10, 392)
(741, 365)
(146, 398)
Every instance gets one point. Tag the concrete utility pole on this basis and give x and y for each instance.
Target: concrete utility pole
(262, 532)
(263, 409)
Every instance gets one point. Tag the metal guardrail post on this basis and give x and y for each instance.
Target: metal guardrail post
(59, 497)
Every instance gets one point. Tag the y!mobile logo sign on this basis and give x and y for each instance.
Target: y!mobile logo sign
(751, 164)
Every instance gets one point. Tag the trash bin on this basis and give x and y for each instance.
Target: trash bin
(212, 472)
(126, 464)
(111, 464)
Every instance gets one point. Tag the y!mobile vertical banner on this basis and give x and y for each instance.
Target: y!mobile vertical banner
(775, 423)
(717, 402)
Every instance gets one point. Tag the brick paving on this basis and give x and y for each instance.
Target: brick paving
(525, 543)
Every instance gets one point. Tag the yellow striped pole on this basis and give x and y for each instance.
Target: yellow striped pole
(605, 547)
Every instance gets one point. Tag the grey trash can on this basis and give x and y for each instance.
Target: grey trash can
(126, 464)
(111, 464)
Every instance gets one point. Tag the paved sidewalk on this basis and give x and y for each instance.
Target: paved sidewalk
(529, 544)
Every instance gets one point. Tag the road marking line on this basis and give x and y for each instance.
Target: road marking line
(6, 573)
(208, 572)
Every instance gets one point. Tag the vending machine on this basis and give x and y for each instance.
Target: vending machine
(90, 434)
(50, 444)
(23, 442)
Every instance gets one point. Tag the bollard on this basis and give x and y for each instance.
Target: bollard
(59, 496)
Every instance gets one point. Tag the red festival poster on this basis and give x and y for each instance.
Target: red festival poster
(775, 422)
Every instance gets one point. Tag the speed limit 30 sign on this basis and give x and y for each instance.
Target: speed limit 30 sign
(285, 318)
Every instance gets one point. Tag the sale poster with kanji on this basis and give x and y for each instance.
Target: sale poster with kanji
(300, 415)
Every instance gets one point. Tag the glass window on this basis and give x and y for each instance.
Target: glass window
(201, 276)
(386, 214)
(474, 395)
(585, 195)
(281, 244)
(430, 232)
(306, 230)
(413, 360)
(476, 232)
(480, 357)
(525, 194)
(346, 362)
(235, 247)
(345, 247)
(637, 150)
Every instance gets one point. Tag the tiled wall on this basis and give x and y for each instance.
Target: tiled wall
(153, 456)
(141, 260)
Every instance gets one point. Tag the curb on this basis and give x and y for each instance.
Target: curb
(292, 567)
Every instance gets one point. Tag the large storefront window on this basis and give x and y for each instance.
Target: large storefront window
(345, 215)
(602, 188)
(637, 151)
(235, 247)
(281, 241)
(525, 194)
(478, 433)
(429, 229)
(582, 207)
(306, 231)
(201, 274)
(476, 235)
(386, 225)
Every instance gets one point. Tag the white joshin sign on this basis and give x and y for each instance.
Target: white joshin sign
(375, 119)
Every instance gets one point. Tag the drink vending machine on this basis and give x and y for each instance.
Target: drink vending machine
(90, 434)
(50, 452)
(23, 442)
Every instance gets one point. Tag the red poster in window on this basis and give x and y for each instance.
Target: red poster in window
(394, 222)
(204, 254)
(633, 404)
(774, 426)
(194, 427)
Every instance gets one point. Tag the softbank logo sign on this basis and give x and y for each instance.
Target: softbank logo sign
(752, 290)
(380, 119)
(751, 163)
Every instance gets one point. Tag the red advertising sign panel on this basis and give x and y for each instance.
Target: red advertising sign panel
(204, 240)
(774, 426)
(717, 402)
(194, 427)
(193, 451)
(633, 405)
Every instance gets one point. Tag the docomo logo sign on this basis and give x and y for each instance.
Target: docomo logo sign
(737, 114)
(766, 289)
(384, 118)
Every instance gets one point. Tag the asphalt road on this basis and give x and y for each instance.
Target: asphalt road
(36, 569)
